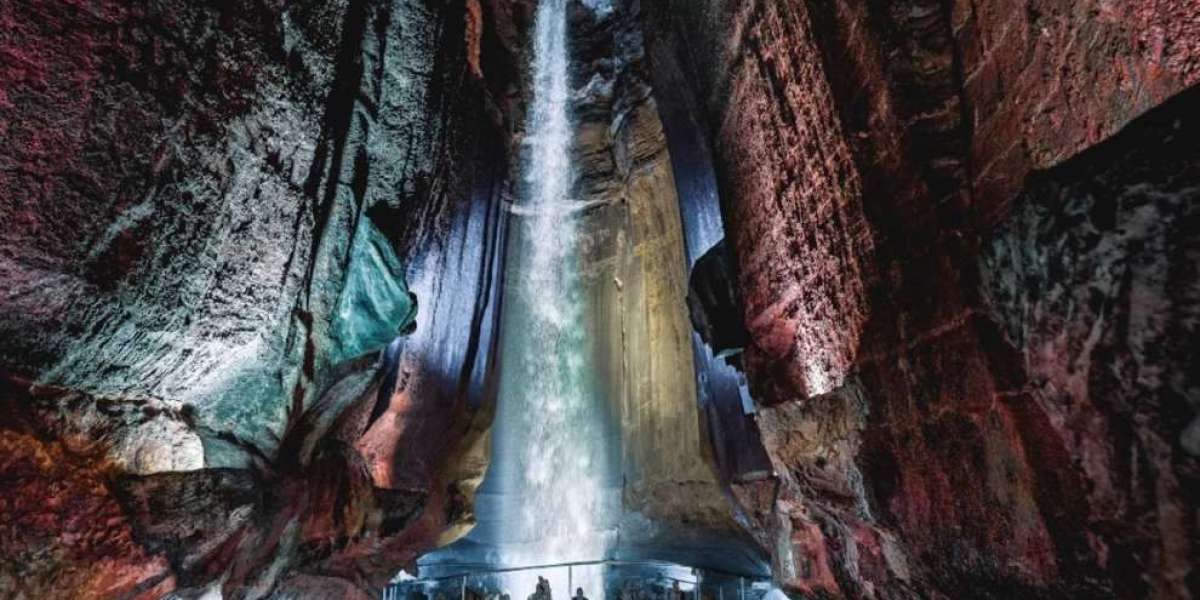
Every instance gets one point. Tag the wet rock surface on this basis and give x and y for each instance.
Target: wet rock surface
(1109, 239)
(216, 220)
(865, 156)
(636, 278)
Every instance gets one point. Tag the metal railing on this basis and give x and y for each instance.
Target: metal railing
(395, 590)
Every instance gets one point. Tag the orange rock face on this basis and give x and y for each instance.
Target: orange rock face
(64, 531)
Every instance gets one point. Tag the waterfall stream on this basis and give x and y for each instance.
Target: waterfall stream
(596, 471)
(550, 491)
(550, 451)
(547, 384)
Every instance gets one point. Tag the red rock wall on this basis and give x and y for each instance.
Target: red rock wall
(800, 234)
(864, 152)
(1046, 79)
(1093, 279)
(66, 531)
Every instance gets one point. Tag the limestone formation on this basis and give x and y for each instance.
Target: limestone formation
(948, 275)
(940, 260)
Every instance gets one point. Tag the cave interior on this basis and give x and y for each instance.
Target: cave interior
(628, 299)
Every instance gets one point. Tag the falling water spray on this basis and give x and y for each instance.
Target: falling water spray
(547, 388)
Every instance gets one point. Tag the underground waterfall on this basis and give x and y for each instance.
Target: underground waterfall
(620, 299)
(596, 434)
(548, 487)
(549, 492)
(551, 462)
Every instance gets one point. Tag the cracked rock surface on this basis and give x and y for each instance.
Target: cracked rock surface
(214, 213)
(967, 270)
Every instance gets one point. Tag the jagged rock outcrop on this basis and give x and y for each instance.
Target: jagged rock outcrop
(713, 301)
(864, 154)
(214, 215)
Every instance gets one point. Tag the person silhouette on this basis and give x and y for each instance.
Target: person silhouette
(676, 593)
(579, 595)
(542, 591)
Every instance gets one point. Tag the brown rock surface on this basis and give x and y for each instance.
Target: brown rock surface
(64, 530)
(864, 152)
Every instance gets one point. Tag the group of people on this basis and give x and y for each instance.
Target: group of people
(542, 591)
(631, 591)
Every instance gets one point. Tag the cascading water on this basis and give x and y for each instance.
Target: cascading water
(595, 473)
(548, 382)
(550, 490)
(550, 465)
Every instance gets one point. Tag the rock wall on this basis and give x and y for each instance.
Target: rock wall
(714, 302)
(1093, 279)
(214, 215)
(866, 154)
(635, 276)
(967, 279)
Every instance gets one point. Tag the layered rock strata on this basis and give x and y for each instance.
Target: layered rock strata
(873, 165)
(635, 277)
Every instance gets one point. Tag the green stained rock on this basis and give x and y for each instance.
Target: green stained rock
(375, 304)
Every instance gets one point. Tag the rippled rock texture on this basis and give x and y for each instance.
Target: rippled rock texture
(215, 219)
(969, 299)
